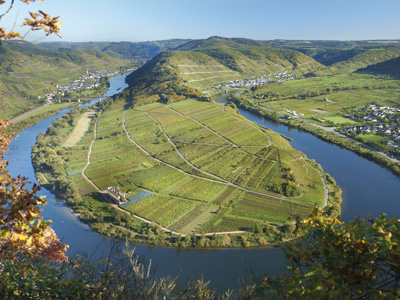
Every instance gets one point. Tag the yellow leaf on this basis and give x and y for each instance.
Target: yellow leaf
(58, 24)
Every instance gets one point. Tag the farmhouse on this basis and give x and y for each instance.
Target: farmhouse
(116, 195)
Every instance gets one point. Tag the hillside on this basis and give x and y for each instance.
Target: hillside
(390, 67)
(28, 71)
(138, 52)
(362, 59)
(200, 64)
(343, 56)
(159, 80)
(251, 57)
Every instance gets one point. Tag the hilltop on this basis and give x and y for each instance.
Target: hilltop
(174, 75)
(29, 71)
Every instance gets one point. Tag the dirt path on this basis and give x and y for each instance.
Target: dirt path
(148, 221)
(80, 129)
(89, 154)
(196, 80)
(161, 161)
(222, 137)
(219, 179)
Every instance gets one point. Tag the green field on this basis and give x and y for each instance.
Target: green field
(205, 164)
(327, 98)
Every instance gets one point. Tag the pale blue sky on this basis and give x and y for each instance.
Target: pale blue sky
(133, 20)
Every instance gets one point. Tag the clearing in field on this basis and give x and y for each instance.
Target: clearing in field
(200, 166)
(80, 129)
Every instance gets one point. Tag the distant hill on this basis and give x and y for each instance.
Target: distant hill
(199, 64)
(344, 56)
(28, 71)
(138, 52)
(362, 59)
(390, 67)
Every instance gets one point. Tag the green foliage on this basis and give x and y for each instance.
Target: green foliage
(335, 260)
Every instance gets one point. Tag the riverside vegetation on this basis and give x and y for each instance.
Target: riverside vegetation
(192, 168)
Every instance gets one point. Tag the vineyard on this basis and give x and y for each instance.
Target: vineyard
(196, 166)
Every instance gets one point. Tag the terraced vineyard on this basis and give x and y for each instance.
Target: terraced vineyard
(197, 167)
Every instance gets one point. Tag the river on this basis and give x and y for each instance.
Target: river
(367, 188)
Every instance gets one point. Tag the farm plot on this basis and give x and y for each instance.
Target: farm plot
(176, 157)
(267, 209)
(136, 198)
(184, 129)
(234, 129)
(146, 132)
(199, 189)
(193, 219)
(162, 209)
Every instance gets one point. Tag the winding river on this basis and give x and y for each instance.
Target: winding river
(367, 188)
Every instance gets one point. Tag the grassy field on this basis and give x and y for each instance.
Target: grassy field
(203, 164)
(327, 97)
(80, 129)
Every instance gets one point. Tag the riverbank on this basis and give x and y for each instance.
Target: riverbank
(35, 115)
(328, 136)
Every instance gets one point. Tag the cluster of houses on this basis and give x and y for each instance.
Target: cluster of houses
(374, 113)
(81, 84)
(255, 81)
(391, 131)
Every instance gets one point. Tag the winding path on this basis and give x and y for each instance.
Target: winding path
(219, 180)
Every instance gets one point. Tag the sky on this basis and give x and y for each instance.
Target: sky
(148, 20)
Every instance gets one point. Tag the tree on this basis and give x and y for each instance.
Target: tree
(335, 260)
(23, 231)
(36, 21)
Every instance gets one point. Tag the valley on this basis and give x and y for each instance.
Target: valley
(188, 166)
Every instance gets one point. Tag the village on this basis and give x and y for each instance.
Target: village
(255, 81)
(380, 120)
(87, 81)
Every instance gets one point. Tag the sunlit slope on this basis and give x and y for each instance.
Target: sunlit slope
(174, 75)
(28, 72)
(251, 57)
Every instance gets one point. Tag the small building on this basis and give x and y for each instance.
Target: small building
(116, 195)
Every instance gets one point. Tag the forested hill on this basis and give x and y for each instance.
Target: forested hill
(344, 56)
(390, 67)
(174, 75)
(139, 52)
